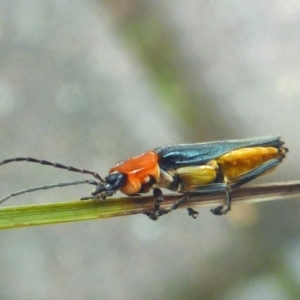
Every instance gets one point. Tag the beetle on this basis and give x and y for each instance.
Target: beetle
(190, 169)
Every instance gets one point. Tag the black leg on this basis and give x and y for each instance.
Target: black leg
(159, 197)
(208, 189)
(193, 213)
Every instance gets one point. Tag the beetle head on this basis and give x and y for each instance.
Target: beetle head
(111, 183)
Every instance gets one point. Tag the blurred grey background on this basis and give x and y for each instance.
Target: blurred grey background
(89, 83)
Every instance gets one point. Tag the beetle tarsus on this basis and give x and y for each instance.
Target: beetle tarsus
(151, 215)
(157, 212)
(193, 213)
(100, 196)
(220, 210)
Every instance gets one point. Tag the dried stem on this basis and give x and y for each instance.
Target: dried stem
(252, 194)
(20, 216)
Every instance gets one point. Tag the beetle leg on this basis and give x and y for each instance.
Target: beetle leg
(249, 176)
(220, 210)
(209, 189)
(206, 189)
(102, 196)
(159, 197)
(193, 213)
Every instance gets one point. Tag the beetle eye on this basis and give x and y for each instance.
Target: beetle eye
(112, 178)
(115, 180)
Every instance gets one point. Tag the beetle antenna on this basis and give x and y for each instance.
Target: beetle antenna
(55, 165)
(47, 187)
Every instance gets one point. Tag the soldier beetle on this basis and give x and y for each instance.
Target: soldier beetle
(190, 169)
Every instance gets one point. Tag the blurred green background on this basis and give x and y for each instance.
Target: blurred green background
(89, 83)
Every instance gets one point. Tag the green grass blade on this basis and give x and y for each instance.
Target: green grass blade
(30, 215)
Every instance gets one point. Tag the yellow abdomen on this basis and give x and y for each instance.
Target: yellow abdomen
(237, 162)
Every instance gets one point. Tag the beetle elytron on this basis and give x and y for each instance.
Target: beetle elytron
(190, 169)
